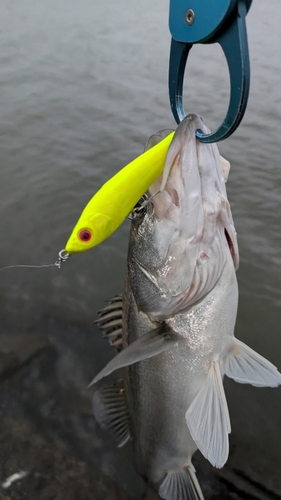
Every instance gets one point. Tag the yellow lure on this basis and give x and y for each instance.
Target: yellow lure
(109, 207)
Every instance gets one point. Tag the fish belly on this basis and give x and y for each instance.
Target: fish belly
(157, 407)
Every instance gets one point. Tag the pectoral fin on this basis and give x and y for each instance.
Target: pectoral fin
(246, 366)
(208, 419)
(110, 411)
(147, 346)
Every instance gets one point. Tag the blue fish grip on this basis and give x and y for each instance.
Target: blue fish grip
(206, 21)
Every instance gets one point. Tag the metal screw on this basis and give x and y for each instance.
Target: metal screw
(189, 17)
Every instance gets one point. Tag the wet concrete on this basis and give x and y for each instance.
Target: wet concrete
(51, 433)
(50, 472)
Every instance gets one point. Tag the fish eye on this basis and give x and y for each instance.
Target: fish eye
(85, 235)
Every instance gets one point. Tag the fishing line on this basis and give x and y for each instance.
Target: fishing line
(27, 265)
(63, 256)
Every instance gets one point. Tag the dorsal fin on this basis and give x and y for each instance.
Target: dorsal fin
(110, 411)
(110, 321)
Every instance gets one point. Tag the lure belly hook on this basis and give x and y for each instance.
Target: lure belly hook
(202, 21)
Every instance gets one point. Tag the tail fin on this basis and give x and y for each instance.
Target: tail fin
(181, 485)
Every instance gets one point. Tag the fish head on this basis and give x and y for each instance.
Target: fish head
(183, 237)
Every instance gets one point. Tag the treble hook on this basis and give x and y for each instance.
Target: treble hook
(202, 22)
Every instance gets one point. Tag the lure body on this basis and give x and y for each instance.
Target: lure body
(108, 208)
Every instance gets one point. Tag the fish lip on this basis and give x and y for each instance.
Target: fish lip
(167, 193)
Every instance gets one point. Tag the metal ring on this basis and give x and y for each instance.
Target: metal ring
(63, 255)
(234, 43)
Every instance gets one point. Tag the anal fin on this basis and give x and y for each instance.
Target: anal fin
(208, 419)
(110, 411)
(181, 485)
(244, 365)
(148, 345)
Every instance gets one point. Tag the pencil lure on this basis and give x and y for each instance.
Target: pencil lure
(109, 207)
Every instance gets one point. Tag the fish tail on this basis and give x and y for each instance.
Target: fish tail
(181, 485)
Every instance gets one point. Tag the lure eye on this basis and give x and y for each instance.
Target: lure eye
(85, 235)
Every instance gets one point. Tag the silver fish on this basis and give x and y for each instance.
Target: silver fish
(177, 320)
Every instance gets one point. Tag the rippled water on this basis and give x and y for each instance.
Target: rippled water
(83, 84)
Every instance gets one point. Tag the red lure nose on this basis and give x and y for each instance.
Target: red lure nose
(85, 235)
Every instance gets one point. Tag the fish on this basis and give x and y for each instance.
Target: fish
(174, 323)
(113, 202)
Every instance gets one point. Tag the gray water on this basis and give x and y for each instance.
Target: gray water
(83, 84)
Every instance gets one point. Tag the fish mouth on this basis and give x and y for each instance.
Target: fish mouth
(232, 249)
(193, 227)
(184, 240)
(180, 178)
